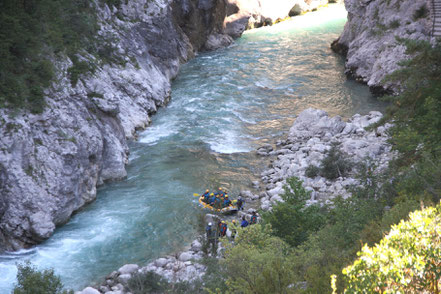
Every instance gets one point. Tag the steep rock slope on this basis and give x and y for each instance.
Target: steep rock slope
(51, 163)
(369, 36)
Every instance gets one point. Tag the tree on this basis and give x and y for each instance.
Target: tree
(292, 220)
(407, 260)
(32, 281)
(258, 262)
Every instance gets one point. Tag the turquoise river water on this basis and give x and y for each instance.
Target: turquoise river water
(224, 105)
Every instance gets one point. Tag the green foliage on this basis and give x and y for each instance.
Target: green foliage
(258, 262)
(335, 164)
(33, 34)
(292, 220)
(421, 12)
(32, 281)
(394, 24)
(150, 282)
(416, 111)
(312, 171)
(407, 260)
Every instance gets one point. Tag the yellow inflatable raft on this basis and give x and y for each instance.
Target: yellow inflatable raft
(230, 208)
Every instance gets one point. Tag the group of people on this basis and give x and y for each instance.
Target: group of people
(220, 199)
(221, 230)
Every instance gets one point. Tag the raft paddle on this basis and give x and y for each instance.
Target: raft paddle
(196, 195)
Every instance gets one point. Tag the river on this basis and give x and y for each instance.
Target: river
(224, 105)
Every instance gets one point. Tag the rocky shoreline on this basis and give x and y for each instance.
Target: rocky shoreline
(310, 138)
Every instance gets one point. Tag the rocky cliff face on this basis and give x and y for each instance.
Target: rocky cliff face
(369, 36)
(51, 163)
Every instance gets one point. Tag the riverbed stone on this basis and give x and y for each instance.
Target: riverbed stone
(124, 278)
(90, 290)
(185, 256)
(308, 131)
(196, 245)
(128, 269)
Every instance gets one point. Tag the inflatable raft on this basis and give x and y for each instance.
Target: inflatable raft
(230, 208)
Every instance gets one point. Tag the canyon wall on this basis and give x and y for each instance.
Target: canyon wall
(51, 163)
(369, 39)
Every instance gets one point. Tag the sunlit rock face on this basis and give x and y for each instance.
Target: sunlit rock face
(246, 14)
(51, 163)
(369, 36)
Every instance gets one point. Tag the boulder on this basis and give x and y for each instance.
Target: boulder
(90, 290)
(161, 262)
(185, 256)
(128, 269)
(196, 246)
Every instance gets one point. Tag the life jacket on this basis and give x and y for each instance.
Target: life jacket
(223, 229)
(227, 202)
(253, 219)
(212, 199)
(239, 202)
(244, 223)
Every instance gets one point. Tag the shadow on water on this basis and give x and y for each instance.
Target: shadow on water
(224, 105)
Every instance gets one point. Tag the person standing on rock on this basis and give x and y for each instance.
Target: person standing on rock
(233, 228)
(244, 223)
(253, 219)
(223, 229)
(211, 237)
(240, 204)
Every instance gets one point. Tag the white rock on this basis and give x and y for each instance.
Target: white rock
(90, 290)
(196, 246)
(124, 278)
(128, 269)
(161, 262)
(185, 256)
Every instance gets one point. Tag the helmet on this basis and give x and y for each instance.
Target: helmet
(234, 221)
(226, 196)
(210, 224)
(220, 188)
(223, 222)
(207, 191)
(212, 194)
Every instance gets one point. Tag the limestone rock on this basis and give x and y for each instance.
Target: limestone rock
(128, 269)
(369, 37)
(90, 290)
(51, 163)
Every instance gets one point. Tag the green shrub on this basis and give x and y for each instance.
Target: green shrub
(394, 24)
(292, 220)
(32, 281)
(407, 260)
(312, 171)
(258, 262)
(335, 164)
(149, 282)
(421, 12)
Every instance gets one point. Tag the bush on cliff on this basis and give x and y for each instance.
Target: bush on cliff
(32, 281)
(407, 260)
